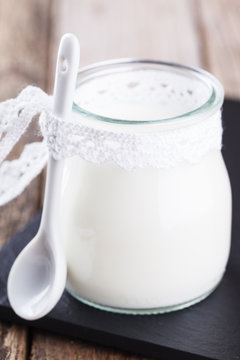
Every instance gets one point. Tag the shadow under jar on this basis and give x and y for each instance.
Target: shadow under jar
(146, 206)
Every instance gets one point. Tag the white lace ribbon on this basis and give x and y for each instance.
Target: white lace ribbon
(17, 174)
(64, 139)
(15, 117)
(131, 150)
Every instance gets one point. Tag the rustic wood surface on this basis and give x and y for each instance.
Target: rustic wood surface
(195, 32)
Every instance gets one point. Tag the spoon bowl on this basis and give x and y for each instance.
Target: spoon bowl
(43, 273)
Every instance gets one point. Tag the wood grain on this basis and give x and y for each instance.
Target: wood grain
(24, 30)
(50, 347)
(23, 61)
(219, 29)
(13, 342)
(195, 32)
(156, 29)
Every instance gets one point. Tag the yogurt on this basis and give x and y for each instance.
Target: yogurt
(146, 240)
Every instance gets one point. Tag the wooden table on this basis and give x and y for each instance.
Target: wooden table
(195, 32)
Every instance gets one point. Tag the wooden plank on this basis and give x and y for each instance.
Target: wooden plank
(219, 28)
(24, 28)
(13, 342)
(49, 346)
(24, 31)
(156, 29)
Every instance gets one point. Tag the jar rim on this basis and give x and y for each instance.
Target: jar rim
(209, 107)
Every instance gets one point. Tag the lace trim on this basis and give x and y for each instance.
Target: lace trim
(132, 150)
(16, 115)
(17, 174)
(64, 139)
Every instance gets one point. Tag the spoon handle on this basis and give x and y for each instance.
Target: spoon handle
(66, 73)
(65, 81)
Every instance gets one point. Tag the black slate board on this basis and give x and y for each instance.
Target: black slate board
(208, 330)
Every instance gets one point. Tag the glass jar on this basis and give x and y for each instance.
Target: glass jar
(146, 211)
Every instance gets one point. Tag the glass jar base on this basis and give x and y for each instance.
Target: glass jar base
(151, 311)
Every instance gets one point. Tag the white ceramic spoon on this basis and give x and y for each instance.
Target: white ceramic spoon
(37, 278)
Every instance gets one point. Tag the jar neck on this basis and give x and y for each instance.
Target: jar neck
(144, 127)
(143, 92)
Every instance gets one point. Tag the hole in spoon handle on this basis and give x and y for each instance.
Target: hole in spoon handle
(63, 64)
